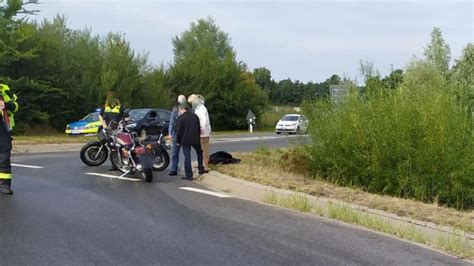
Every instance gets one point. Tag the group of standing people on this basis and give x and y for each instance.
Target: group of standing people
(190, 126)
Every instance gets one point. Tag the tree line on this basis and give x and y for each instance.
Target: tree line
(60, 74)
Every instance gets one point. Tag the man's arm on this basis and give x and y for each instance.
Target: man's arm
(207, 119)
(11, 105)
(172, 118)
(101, 118)
(199, 113)
(179, 129)
(102, 121)
(204, 121)
(198, 124)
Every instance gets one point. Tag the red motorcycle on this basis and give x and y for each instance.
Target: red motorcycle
(134, 154)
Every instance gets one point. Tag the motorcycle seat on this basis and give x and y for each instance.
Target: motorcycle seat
(152, 138)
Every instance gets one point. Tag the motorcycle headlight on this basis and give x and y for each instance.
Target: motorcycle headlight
(167, 144)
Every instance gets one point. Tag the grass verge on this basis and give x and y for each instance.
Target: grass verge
(448, 242)
(58, 138)
(51, 139)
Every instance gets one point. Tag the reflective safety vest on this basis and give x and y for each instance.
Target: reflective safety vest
(9, 97)
(115, 110)
(5, 176)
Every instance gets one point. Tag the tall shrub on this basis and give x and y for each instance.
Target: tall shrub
(414, 141)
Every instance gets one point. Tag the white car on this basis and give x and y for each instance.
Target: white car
(292, 123)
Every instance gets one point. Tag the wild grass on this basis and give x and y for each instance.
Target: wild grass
(415, 141)
(50, 139)
(53, 137)
(296, 201)
(448, 242)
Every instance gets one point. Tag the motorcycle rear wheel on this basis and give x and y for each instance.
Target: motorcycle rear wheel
(161, 160)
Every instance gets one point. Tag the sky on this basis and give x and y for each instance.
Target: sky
(301, 40)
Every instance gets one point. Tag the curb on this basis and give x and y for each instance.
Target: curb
(75, 147)
(256, 192)
(46, 148)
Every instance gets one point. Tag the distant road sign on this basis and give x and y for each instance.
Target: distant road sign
(337, 92)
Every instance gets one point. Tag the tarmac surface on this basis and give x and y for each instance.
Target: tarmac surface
(65, 213)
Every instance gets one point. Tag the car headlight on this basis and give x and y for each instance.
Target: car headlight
(131, 125)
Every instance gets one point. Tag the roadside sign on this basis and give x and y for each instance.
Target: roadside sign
(337, 93)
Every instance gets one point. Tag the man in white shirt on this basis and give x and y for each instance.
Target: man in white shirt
(197, 101)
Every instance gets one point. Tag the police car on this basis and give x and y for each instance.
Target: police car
(87, 125)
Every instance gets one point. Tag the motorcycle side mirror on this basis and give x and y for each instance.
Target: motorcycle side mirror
(126, 113)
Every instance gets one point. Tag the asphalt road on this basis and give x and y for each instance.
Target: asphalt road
(61, 216)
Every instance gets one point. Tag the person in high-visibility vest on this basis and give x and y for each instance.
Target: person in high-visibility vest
(112, 111)
(8, 107)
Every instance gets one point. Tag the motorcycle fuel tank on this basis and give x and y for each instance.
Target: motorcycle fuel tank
(124, 139)
(140, 150)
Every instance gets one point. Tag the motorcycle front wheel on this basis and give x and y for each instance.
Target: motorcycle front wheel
(147, 175)
(117, 162)
(94, 153)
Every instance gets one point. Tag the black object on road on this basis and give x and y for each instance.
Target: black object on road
(222, 157)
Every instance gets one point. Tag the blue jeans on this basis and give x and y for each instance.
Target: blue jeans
(175, 156)
(187, 159)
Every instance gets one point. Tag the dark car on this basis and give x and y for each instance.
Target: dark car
(149, 121)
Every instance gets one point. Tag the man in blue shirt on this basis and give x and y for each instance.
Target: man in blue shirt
(182, 102)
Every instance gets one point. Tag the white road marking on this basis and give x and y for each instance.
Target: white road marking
(115, 176)
(27, 166)
(206, 192)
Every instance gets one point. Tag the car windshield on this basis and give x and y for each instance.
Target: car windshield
(91, 118)
(138, 114)
(290, 118)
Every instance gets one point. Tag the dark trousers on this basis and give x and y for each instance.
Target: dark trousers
(187, 159)
(5, 152)
(175, 156)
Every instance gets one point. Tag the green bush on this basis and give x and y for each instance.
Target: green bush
(415, 141)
